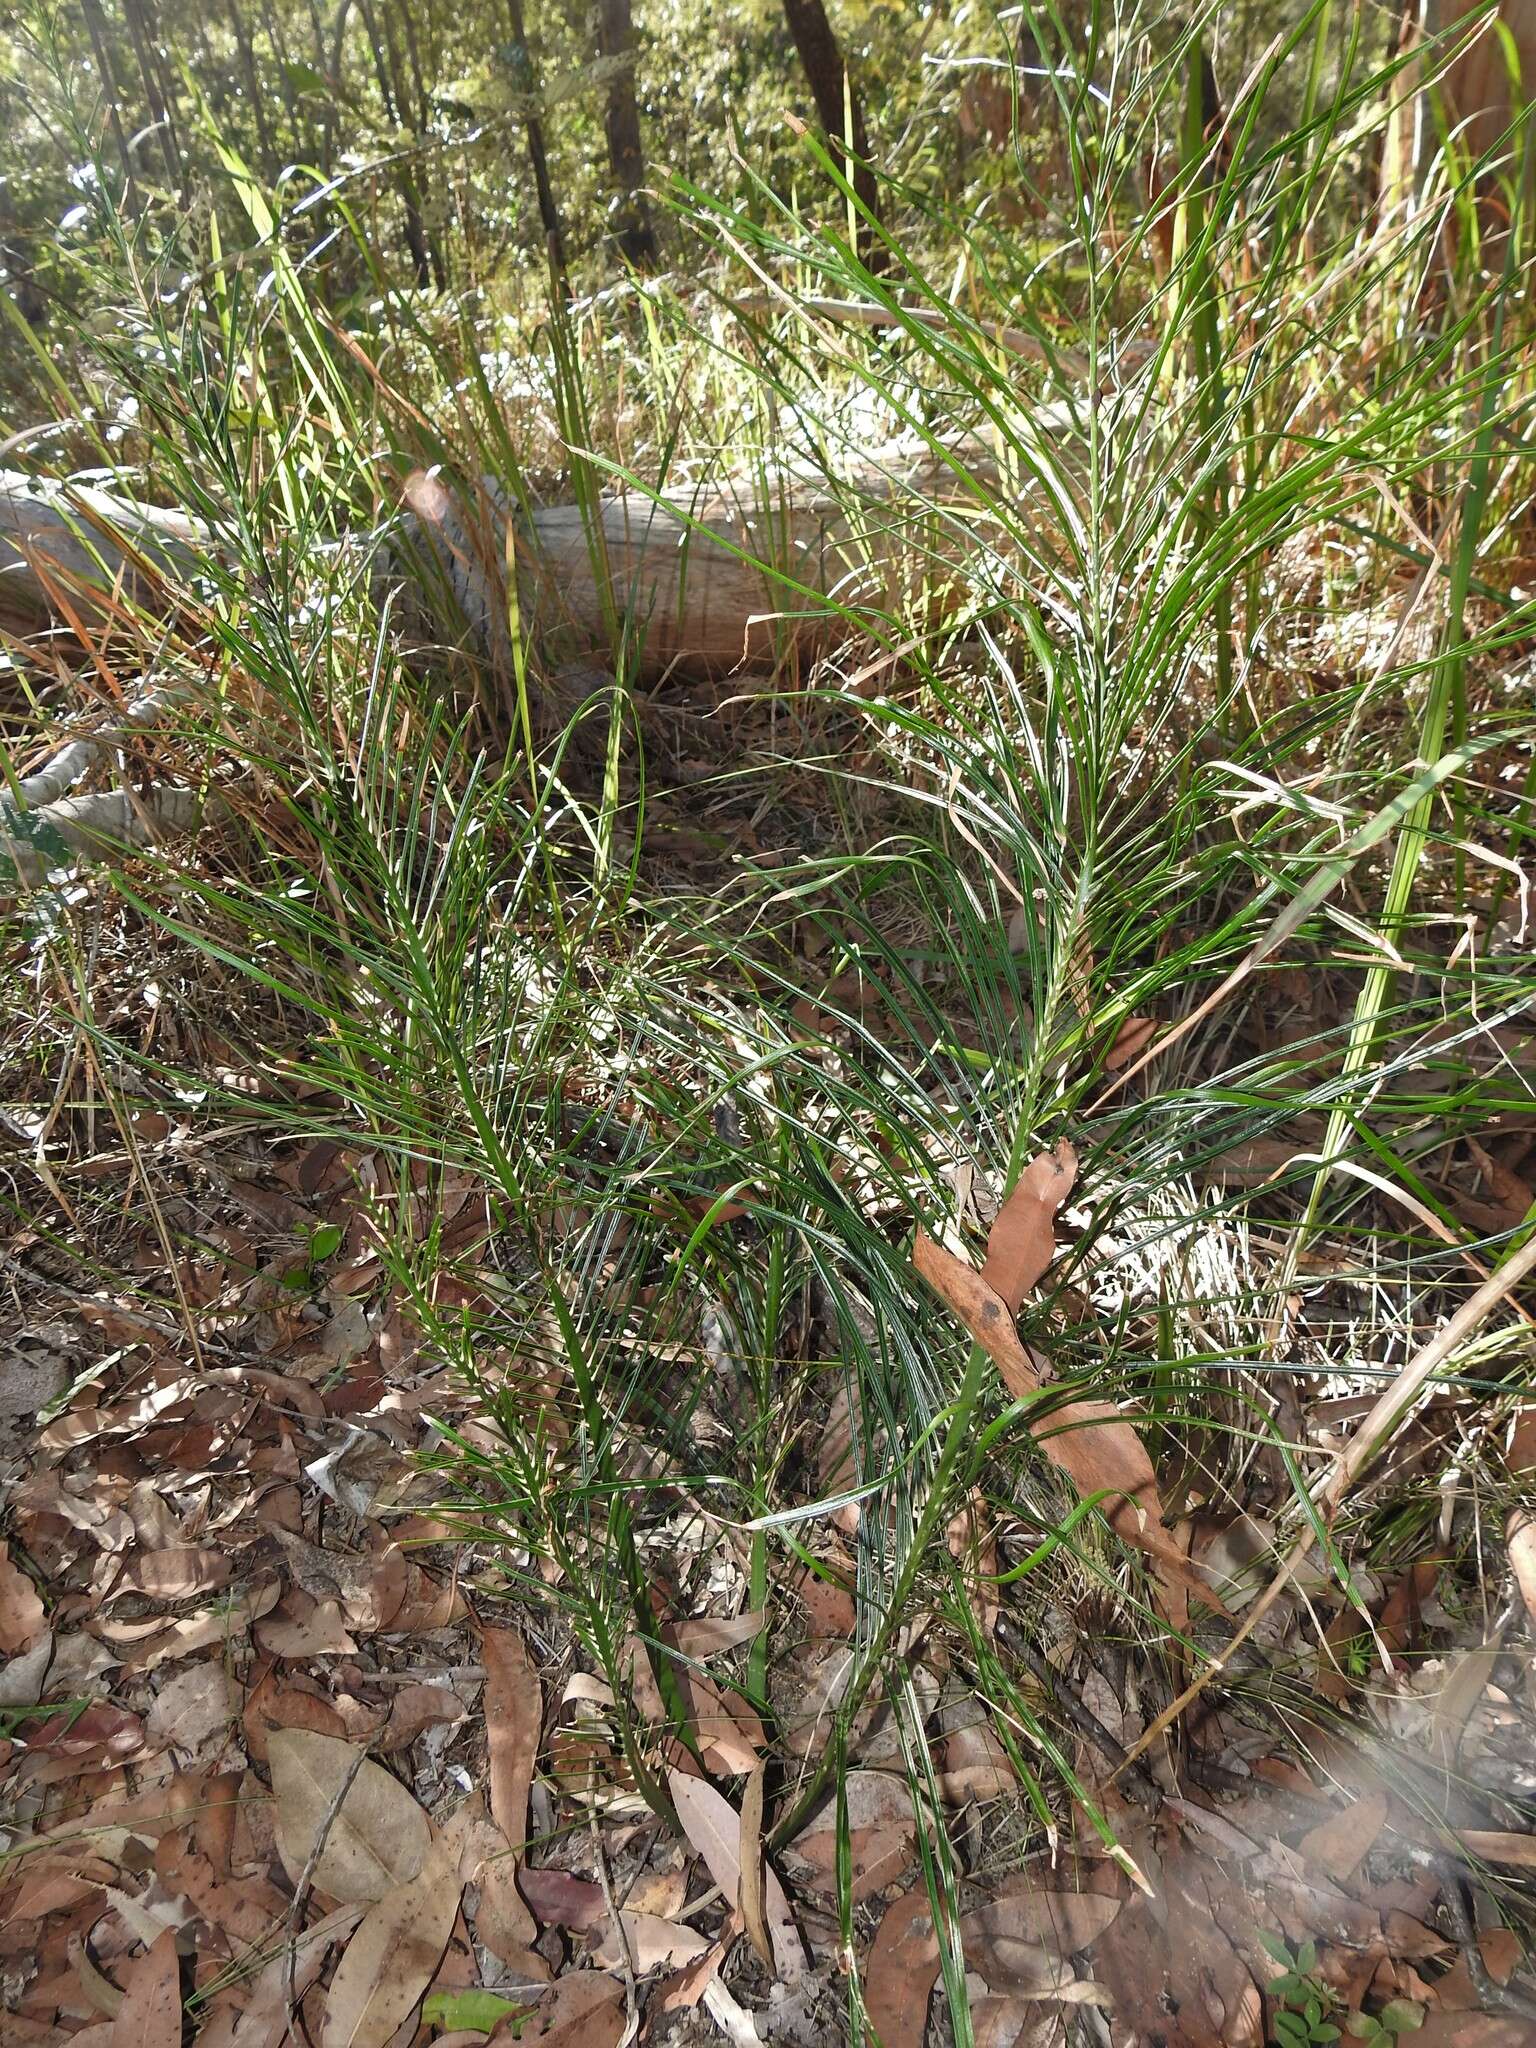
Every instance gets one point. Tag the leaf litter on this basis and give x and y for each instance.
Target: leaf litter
(281, 1765)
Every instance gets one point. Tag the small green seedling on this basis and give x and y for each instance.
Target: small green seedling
(1303, 2002)
(14, 1720)
(1399, 2017)
(323, 1243)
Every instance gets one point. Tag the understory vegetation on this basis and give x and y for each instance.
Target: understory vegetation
(1110, 903)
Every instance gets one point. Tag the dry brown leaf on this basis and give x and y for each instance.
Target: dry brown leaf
(1023, 1969)
(305, 1627)
(413, 1710)
(1502, 1952)
(219, 1625)
(185, 1572)
(1017, 2023)
(749, 1857)
(901, 1970)
(972, 1541)
(975, 1765)
(21, 1610)
(262, 2021)
(560, 1900)
(193, 1710)
(1340, 1844)
(662, 1892)
(731, 1737)
(1472, 2030)
(1059, 1923)
(502, 1921)
(101, 1994)
(1468, 1674)
(514, 1720)
(583, 2009)
(150, 2014)
(377, 1840)
(270, 1705)
(707, 1637)
(1129, 1042)
(682, 1991)
(882, 1834)
(1174, 1973)
(830, 1608)
(1097, 1448)
(427, 1603)
(1495, 1845)
(393, 1956)
(713, 1826)
(654, 1944)
(147, 1915)
(1022, 1242)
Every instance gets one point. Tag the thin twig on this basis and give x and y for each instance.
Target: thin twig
(302, 1889)
(621, 1937)
(1138, 1780)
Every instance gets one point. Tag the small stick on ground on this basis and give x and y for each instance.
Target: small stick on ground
(1139, 1782)
(1493, 1997)
(302, 1889)
(621, 1938)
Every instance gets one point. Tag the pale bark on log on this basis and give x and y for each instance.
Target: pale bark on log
(708, 585)
(63, 542)
(79, 554)
(58, 835)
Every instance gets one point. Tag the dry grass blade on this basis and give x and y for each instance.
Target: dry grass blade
(1367, 1443)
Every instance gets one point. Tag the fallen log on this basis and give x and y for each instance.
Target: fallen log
(62, 542)
(706, 585)
(56, 836)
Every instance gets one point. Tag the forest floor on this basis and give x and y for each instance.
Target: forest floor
(832, 1356)
(278, 1738)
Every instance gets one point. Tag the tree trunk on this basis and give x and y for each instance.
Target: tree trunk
(278, 44)
(142, 33)
(525, 83)
(839, 109)
(415, 230)
(621, 125)
(253, 88)
(1477, 86)
(423, 131)
(101, 48)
